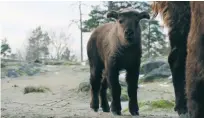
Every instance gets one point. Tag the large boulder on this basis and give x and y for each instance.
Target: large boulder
(30, 69)
(162, 72)
(150, 65)
(12, 73)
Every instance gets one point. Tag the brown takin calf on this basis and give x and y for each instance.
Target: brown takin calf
(195, 62)
(111, 48)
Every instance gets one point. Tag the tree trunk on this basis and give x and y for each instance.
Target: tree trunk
(81, 31)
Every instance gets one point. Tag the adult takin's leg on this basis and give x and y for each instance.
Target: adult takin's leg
(176, 61)
(132, 80)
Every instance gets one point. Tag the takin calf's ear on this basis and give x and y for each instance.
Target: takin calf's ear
(144, 15)
(112, 14)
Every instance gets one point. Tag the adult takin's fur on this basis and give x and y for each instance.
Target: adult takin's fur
(195, 62)
(176, 16)
(112, 47)
(185, 21)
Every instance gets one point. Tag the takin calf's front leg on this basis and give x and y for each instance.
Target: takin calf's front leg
(132, 81)
(115, 88)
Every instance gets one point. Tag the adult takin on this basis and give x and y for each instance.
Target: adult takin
(113, 47)
(176, 16)
(194, 61)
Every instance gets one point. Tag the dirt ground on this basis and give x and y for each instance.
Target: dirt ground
(64, 101)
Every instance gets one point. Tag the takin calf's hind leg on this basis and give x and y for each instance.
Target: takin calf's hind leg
(103, 94)
(95, 81)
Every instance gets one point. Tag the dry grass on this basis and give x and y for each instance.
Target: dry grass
(35, 89)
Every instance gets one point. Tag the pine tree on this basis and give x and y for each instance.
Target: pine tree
(66, 54)
(5, 48)
(97, 17)
(38, 45)
(153, 40)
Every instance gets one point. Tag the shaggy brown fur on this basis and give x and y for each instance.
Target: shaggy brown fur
(195, 62)
(176, 16)
(112, 47)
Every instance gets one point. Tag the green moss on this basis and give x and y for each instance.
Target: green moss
(124, 94)
(34, 89)
(125, 110)
(20, 72)
(164, 104)
(157, 104)
(36, 70)
(142, 104)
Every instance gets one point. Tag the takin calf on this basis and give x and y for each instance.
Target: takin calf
(195, 62)
(112, 47)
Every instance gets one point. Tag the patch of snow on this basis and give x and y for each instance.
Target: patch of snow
(170, 77)
(164, 85)
(124, 104)
(142, 75)
(122, 76)
(83, 63)
(141, 85)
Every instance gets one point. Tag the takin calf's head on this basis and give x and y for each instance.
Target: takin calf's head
(128, 21)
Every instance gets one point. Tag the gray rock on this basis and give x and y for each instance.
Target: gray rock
(148, 66)
(84, 87)
(12, 73)
(30, 69)
(158, 73)
(123, 84)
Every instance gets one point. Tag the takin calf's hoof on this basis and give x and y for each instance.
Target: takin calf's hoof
(94, 105)
(94, 109)
(116, 113)
(134, 113)
(105, 106)
(106, 109)
(133, 109)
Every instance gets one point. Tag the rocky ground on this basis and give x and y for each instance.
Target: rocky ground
(64, 98)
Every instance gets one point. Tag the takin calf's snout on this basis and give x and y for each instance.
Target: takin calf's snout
(129, 33)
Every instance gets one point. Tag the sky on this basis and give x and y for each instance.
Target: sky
(18, 19)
